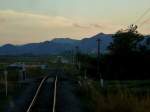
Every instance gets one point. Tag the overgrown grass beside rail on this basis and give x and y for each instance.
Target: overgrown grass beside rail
(116, 98)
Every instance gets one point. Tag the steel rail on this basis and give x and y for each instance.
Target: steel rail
(55, 95)
(35, 96)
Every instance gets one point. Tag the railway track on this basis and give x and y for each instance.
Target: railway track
(44, 99)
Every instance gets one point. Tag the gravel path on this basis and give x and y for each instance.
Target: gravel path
(67, 101)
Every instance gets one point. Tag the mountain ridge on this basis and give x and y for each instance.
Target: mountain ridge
(59, 45)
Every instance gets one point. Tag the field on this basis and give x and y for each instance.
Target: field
(116, 96)
(14, 88)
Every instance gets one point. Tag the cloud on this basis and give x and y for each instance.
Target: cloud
(97, 25)
(79, 25)
(28, 19)
(89, 26)
(23, 27)
(26, 27)
(102, 25)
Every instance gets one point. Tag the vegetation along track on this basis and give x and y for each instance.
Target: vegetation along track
(45, 98)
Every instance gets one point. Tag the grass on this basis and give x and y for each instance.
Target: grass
(112, 99)
(14, 89)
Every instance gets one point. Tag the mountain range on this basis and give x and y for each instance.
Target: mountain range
(59, 45)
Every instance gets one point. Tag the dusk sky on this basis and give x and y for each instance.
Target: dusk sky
(26, 21)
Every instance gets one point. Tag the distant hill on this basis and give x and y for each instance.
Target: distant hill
(59, 45)
(65, 41)
(89, 45)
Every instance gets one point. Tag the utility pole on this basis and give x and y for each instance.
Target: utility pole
(98, 63)
(77, 56)
(85, 77)
(6, 83)
(72, 56)
(24, 71)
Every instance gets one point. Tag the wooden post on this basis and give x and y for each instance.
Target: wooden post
(77, 57)
(98, 63)
(24, 71)
(85, 77)
(6, 83)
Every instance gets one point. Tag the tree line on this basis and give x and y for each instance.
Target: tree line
(128, 58)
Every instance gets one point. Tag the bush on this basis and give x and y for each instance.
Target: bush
(120, 100)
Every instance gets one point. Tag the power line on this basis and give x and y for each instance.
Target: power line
(144, 22)
(142, 16)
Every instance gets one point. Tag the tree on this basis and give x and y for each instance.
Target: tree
(126, 41)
